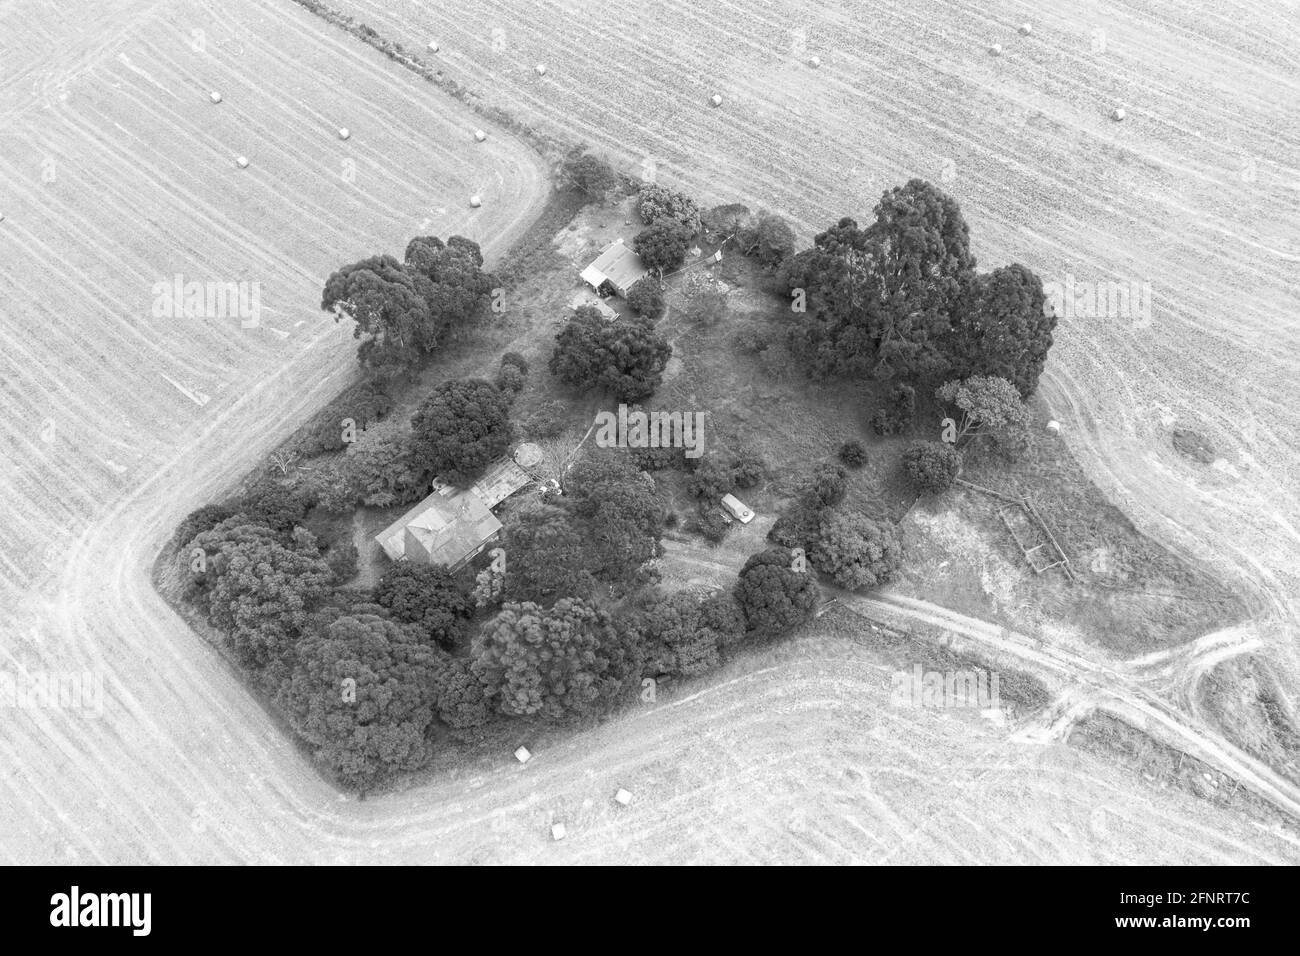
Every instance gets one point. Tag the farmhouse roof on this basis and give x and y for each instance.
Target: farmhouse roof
(501, 480)
(618, 264)
(441, 529)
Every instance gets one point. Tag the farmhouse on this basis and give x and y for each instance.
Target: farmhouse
(615, 270)
(441, 530)
(453, 525)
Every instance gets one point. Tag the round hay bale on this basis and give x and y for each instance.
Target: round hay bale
(1026, 29)
(433, 46)
(1054, 427)
(344, 133)
(1118, 114)
(2, 217)
(476, 200)
(815, 62)
(716, 99)
(541, 69)
(214, 96)
(242, 162)
(995, 49)
(480, 135)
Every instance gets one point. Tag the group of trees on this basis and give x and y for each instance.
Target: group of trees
(901, 299)
(602, 530)
(403, 310)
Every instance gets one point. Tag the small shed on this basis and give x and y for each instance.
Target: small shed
(615, 270)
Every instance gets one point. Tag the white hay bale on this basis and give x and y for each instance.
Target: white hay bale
(1054, 427)
(541, 69)
(344, 133)
(557, 831)
(214, 96)
(242, 162)
(815, 62)
(522, 755)
(995, 49)
(2, 217)
(623, 796)
(480, 135)
(475, 201)
(716, 99)
(433, 46)
(1026, 29)
(1118, 114)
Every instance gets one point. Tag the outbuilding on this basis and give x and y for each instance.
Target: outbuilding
(615, 270)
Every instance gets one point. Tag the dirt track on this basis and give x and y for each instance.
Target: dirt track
(789, 757)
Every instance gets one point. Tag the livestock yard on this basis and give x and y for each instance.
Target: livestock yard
(119, 170)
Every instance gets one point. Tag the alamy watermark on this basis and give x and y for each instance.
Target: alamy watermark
(976, 689)
(79, 692)
(176, 298)
(1109, 299)
(638, 429)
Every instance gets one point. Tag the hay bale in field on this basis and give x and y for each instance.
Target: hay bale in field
(541, 69)
(815, 62)
(1054, 427)
(214, 96)
(716, 99)
(995, 49)
(480, 135)
(557, 831)
(623, 796)
(242, 162)
(475, 201)
(433, 46)
(1118, 114)
(1026, 29)
(522, 755)
(344, 133)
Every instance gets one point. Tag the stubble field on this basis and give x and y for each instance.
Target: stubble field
(1193, 193)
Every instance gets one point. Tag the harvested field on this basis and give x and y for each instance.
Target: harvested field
(789, 755)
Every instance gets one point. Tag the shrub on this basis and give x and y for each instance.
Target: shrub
(796, 526)
(895, 416)
(547, 420)
(517, 360)
(931, 466)
(747, 470)
(201, 519)
(646, 298)
(590, 175)
(853, 454)
(711, 481)
(461, 701)
(828, 486)
(711, 524)
(342, 561)
(510, 381)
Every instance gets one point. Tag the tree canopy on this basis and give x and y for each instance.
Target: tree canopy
(662, 246)
(1001, 329)
(362, 695)
(857, 551)
(460, 428)
(427, 596)
(627, 357)
(774, 598)
(562, 662)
